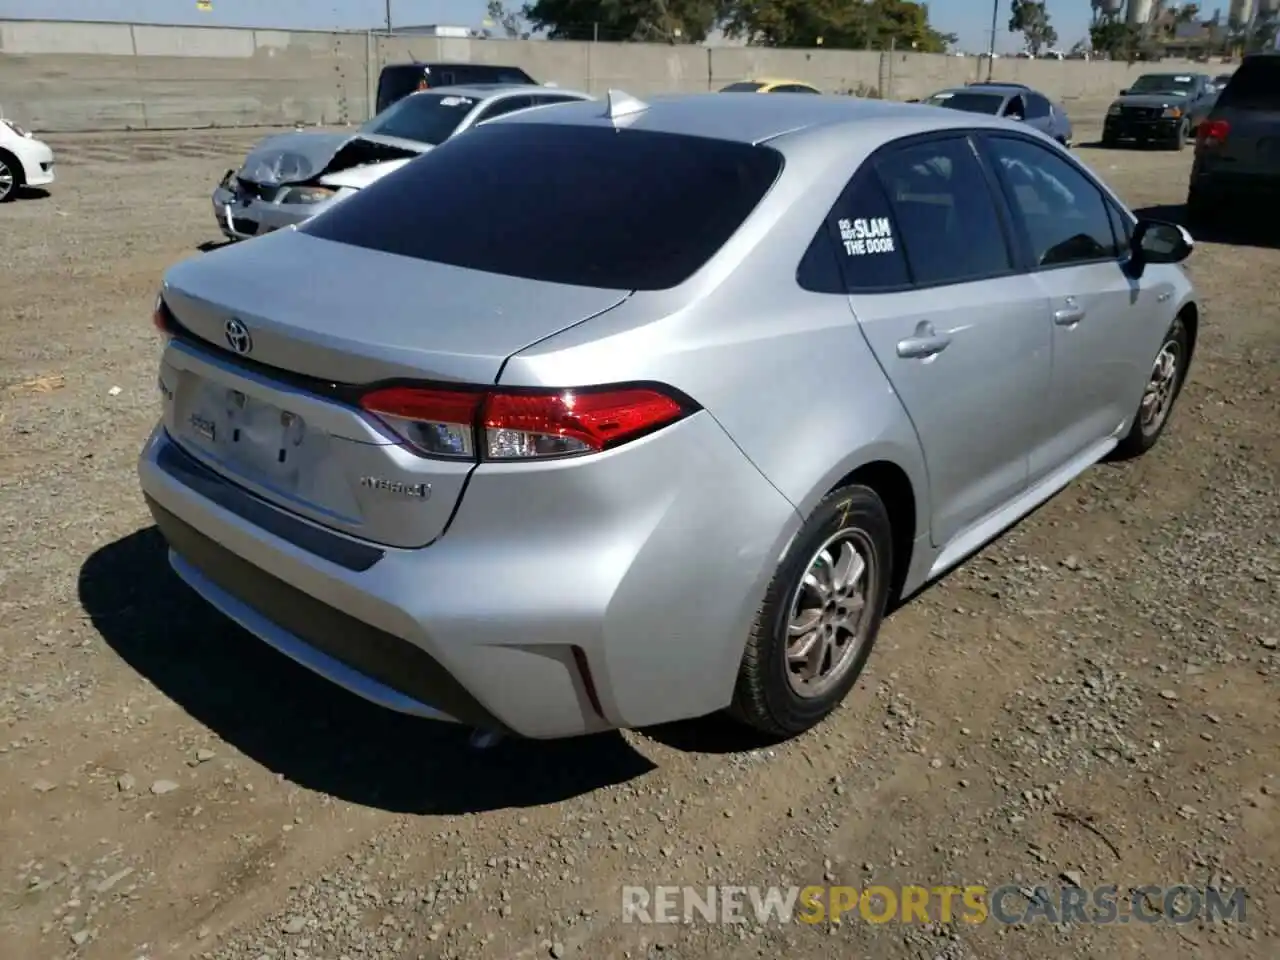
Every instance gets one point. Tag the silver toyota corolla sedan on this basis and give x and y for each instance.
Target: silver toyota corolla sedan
(290, 177)
(613, 413)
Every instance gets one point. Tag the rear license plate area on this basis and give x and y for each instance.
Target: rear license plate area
(244, 434)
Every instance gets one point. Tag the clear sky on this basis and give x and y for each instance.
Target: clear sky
(970, 19)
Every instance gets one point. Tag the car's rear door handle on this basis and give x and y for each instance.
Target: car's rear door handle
(924, 344)
(1068, 316)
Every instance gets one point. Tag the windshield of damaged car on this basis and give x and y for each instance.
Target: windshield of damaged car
(424, 117)
(988, 103)
(1162, 83)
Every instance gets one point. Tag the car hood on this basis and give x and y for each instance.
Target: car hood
(1153, 100)
(302, 155)
(357, 178)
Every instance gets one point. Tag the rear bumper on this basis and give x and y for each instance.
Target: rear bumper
(1213, 187)
(563, 600)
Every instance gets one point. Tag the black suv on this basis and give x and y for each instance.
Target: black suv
(1238, 144)
(398, 80)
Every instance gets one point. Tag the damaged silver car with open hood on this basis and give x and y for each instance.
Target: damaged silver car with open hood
(290, 177)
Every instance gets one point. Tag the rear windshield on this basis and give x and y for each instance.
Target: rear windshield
(397, 82)
(1256, 84)
(588, 206)
(425, 117)
(969, 102)
(744, 86)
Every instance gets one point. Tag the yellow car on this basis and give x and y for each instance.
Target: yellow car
(770, 86)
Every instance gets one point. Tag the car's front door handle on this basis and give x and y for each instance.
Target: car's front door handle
(923, 345)
(1068, 316)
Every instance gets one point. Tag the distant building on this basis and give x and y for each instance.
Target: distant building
(434, 30)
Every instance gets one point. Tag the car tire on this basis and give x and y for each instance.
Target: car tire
(1110, 141)
(1199, 213)
(11, 177)
(835, 577)
(1164, 384)
(1184, 133)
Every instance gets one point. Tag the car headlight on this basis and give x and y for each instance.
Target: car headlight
(1172, 113)
(1113, 110)
(306, 195)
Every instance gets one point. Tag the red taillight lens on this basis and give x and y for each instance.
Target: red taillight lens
(540, 425)
(498, 425)
(160, 318)
(1213, 133)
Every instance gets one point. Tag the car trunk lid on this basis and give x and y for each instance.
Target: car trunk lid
(276, 338)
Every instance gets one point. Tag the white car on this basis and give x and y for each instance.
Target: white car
(24, 160)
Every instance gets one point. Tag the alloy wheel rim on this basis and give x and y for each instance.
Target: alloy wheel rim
(6, 180)
(829, 614)
(1158, 397)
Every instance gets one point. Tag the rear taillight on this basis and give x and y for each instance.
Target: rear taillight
(1212, 133)
(479, 424)
(161, 318)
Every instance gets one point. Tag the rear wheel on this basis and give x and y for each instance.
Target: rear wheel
(1200, 213)
(1163, 386)
(10, 176)
(1184, 133)
(820, 616)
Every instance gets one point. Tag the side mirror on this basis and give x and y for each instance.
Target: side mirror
(1124, 92)
(1158, 241)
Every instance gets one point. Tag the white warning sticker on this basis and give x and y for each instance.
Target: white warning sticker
(864, 235)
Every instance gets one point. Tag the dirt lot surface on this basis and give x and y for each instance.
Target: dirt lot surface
(1091, 700)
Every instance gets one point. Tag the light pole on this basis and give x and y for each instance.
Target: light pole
(991, 50)
(389, 16)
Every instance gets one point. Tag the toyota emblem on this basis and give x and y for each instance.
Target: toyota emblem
(238, 337)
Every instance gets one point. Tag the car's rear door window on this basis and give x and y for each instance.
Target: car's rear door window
(1061, 212)
(592, 206)
(1254, 86)
(945, 212)
(1037, 107)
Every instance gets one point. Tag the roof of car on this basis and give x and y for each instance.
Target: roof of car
(995, 85)
(487, 91)
(757, 119)
(994, 89)
(436, 64)
(773, 81)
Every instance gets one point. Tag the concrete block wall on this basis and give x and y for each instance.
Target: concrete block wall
(62, 77)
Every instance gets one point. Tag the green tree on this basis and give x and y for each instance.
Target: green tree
(505, 19)
(840, 24)
(668, 21)
(1113, 38)
(1031, 19)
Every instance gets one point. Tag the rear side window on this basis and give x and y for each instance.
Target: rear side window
(744, 86)
(865, 241)
(1255, 85)
(588, 206)
(1037, 106)
(944, 211)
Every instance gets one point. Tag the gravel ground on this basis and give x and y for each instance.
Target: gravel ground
(1092, 699)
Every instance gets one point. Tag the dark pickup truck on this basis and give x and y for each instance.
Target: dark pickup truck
(1237, 162)
(1163, 108)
